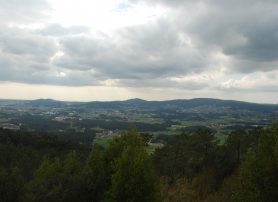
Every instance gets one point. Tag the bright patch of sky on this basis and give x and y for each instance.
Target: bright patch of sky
(104, 15)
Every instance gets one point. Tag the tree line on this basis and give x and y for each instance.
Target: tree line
(192, 167)
(122, 171)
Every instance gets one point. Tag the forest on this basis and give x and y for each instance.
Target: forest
(191, 167)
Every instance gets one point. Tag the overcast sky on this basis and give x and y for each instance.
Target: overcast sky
(151, 49)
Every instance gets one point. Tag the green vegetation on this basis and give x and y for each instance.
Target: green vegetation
(86, 122)
(259, 171)
(193, 166)
(197, 168)
(123, 171)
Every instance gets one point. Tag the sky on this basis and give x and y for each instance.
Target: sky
(89, 50)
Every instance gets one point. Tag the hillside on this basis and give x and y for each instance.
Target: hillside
(97, 120)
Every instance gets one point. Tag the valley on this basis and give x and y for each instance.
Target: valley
(98, 122)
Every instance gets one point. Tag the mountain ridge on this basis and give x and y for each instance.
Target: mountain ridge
(145, 104)
(135, 100)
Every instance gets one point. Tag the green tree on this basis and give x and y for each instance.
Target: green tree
(70, 178)
(133, 177)
(95, 179)
(259, 171)
(10, 185)
(46, 185)
(186, 156)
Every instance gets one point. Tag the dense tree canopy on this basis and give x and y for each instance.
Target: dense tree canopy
(190, 167)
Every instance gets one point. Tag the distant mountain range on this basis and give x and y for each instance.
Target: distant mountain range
(139, 103)
(167, 117)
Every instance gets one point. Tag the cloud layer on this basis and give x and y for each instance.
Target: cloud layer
(190, 45)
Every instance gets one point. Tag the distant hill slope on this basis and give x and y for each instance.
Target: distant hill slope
(190, 103)
(139, 103)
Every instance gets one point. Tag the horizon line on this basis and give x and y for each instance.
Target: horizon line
(136, 98)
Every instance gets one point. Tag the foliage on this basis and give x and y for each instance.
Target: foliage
(122, 171)
(133, 177)
(190, 167)
(196, 167)
(259, 171)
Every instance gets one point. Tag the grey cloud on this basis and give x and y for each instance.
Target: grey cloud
(24, 70)
(245, 31)
(162, 83)
(257, 89)
(26, 45)
(26, 57)
(59, 30)
(221, 3)
(185, 42)
(14, 11)
(171, 3)
(147, 51)
(46, 76)
(261, 43)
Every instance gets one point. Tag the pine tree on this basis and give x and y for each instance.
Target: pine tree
(259, 171)
(133, 178)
